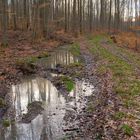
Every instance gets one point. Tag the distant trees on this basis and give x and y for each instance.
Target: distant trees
(4, 22)
(77, 16)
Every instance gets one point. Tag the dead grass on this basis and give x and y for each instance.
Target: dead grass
(128, 40)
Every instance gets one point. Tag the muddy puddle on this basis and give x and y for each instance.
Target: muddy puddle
(54, 119)
(59, 56)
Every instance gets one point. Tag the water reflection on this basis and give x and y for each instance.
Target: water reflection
(59, 57)
(48, 125)
(44, 126)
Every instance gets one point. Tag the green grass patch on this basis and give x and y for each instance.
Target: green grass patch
(69, 84)
(126, 82)
(96, 39)
(128, 130)
(125, 79)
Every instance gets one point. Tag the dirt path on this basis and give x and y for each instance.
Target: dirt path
(96, 121)
(121, 67)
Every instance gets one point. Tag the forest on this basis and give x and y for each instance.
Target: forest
(69, 69)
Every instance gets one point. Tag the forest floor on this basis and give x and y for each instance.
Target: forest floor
(114, 113)
(117, 114)
(21, 48)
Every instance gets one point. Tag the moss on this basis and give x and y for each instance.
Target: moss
(128, 130)
(6, 123)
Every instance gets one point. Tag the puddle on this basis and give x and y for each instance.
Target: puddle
(61, 56)
(50, 124)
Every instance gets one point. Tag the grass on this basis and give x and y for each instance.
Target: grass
(76, 64)
(32, 59)
(75, 49)
(127, 85)
(101, 70)
(124, 77)
(26, 61)
(128, 130)
(133, 56)
(120, 115)
(69, 84)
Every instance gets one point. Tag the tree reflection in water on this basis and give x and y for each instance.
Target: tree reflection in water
(48, 125)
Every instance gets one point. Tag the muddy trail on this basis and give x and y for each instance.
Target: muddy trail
(62, 98)
(48, 103)
(97, 121)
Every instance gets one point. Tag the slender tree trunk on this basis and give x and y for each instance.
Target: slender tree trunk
(110, 12)
(66, 17)
(4, 23)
